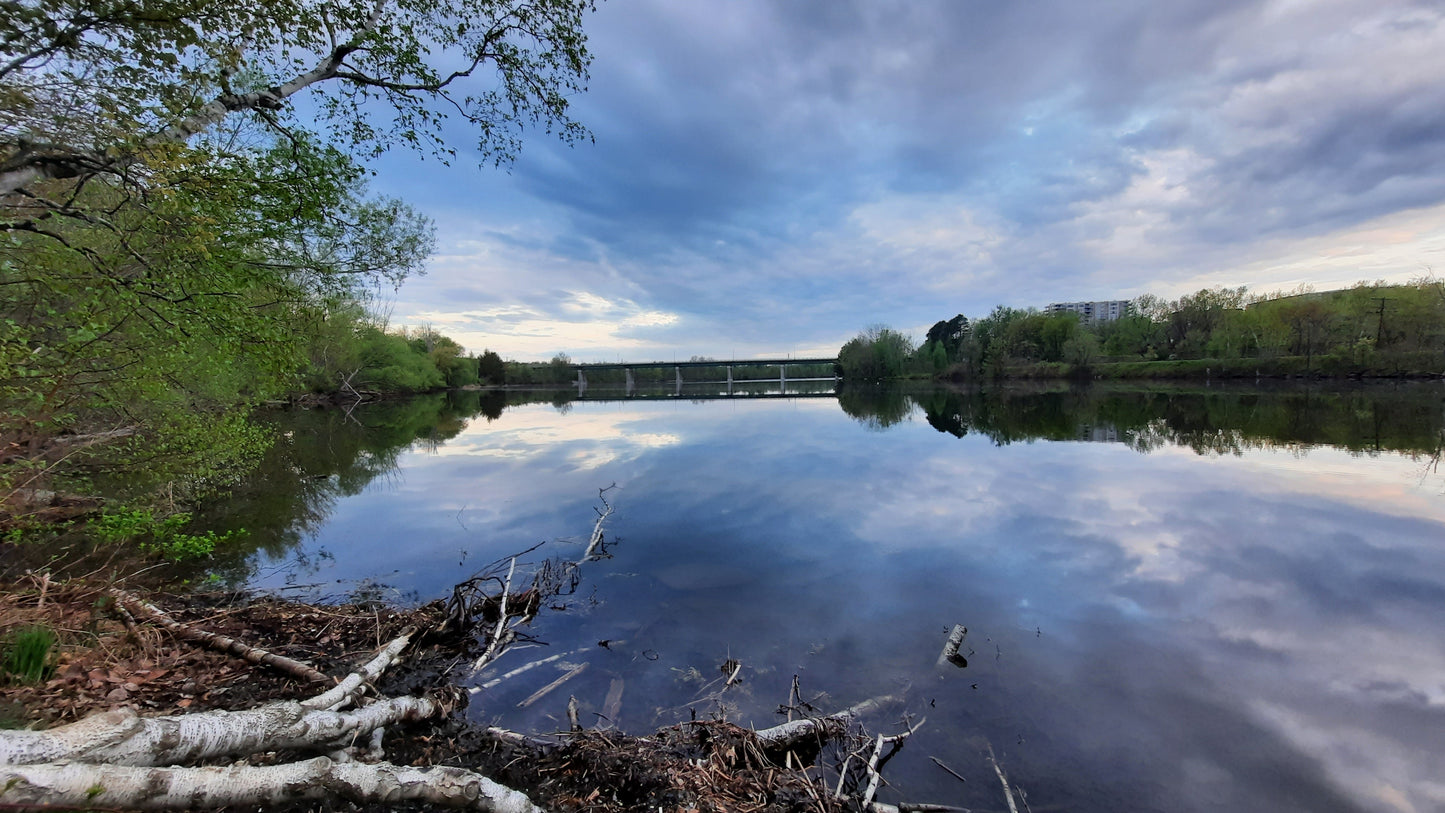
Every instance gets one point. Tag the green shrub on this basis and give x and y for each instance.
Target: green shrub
(27, 654)
(159, 535)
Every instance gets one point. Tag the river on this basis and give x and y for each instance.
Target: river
(1178, 598)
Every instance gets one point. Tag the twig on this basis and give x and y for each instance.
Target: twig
(596, 538)
(956, 774)
(525, 668)
(545, 690)
(1007, 792)
(352, 684)
(44, 587)
(222, 643)
(502, 626)
(873, 776)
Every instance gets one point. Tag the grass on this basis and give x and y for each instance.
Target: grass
(27, 653)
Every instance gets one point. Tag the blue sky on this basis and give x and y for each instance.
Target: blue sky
(771, 177)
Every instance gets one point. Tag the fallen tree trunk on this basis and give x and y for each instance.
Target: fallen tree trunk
(122, 737)
(113, 759)
(220, 643)
(786, 735)
(83, 785)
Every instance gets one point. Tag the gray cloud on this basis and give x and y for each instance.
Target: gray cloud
(1096, 149)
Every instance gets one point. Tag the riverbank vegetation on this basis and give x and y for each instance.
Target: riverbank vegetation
(1369, 330)
(180, 241)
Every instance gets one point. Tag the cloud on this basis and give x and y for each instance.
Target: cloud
(779, 175)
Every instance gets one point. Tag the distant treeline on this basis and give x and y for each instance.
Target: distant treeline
(1372, 329)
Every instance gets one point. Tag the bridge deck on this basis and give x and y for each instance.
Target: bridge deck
(652, 365)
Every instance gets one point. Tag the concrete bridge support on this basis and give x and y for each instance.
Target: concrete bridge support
(631, 382)
(581, 382)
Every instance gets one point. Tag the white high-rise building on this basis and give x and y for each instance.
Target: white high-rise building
(1102, 311)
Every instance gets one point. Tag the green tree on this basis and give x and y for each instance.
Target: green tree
(102, 88)
(491, 370)
(877, 353)
(173, 231)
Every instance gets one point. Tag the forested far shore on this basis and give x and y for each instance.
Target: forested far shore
(1373, 329)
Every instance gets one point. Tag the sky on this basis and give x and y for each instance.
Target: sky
(771, 177)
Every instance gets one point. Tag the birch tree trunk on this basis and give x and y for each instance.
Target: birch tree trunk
(81, 785)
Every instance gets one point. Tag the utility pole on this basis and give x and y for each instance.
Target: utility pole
(1380, 326)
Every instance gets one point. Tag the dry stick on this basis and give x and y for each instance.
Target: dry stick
(842, 775)
(956, 774)
(1007, 792)
(545, 690)
(501, 620)
(596, 537)
(525, 668)
(222, 643)
(897, 741)
(874, 774)
(44, 586)
(572, 713)
(915, 807)
(352, 684)
(734, 676)
(514, 738)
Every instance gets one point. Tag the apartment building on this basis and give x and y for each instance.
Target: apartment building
(1102, 311)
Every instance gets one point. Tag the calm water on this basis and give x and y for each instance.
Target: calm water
(1185, 599)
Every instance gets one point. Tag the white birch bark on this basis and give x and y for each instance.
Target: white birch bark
(80, 785)
(784, 735)
(121, 737)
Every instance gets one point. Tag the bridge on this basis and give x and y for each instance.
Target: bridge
(629, 369)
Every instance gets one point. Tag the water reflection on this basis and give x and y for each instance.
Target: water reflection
(1391, 417)
(1245, 617)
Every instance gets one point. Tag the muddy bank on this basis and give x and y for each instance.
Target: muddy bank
(105, 658)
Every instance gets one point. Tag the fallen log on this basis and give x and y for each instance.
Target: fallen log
(123, 737)
(221, 643)
(951, 646)
(786, 735)
(87, 786)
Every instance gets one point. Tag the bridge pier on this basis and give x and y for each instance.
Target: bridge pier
(581, 383)
(678, 371)
(783, 376)
(631, 382)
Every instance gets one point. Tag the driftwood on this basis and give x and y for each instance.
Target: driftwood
(789, 734)
(951, 646)
(122, 737)
(546, 690)
(118, 759)
(87, 786)
(221, 643)
(1003, 780)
